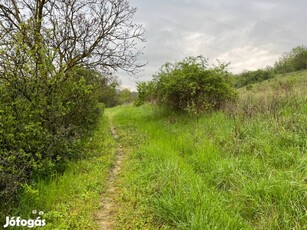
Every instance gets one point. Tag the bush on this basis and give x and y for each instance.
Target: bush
(291, 61)
(49, 91)
(190, 85)
(146, 92)
(42, 121)
(250, 77)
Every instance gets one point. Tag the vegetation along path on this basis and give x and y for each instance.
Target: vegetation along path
(240, 168)
(214, 172)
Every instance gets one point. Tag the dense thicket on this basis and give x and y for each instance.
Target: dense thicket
(42, 121)
(50, 90)
(190, 85)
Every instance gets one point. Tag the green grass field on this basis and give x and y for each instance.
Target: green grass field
(244, 168)
(241, 168)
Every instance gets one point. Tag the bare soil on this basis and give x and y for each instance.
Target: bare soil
(105, 217)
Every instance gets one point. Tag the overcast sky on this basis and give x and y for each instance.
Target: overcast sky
(249, 34)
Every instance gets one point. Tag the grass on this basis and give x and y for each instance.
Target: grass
(69, 201)
(244, 168)
(241, 168)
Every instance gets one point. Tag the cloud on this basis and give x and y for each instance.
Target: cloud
(249, 34)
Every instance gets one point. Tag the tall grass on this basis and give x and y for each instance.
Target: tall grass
(244, 168)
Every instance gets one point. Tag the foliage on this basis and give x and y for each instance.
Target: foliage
(96, 33)
(291, 61)
(190, 85)
(251, 77)
(125, 96)
(42, 121)
(49, 88)
(294, 60)
(108, 93)
(71, 200)
(242, 168)
(146, 92)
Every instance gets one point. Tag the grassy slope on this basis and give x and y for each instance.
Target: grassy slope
(245, 169)
(242, 169)
(71, 200)
(296, 78)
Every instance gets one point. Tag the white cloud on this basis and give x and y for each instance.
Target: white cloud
(250, 58)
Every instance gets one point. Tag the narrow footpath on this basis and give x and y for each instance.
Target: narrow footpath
(105, 216)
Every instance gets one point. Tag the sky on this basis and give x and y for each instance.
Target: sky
(250, 34)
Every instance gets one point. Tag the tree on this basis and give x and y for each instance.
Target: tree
(108, 93)
(125, 96)
(91, 33)
(49, 53)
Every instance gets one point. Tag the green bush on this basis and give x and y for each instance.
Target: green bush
(250, 77)
(146, 92)
(190, 85)
(291, 61)
(43, 116)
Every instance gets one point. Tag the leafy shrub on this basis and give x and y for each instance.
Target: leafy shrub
(49, 91)
(146, 92)
(43, 117)
(190, 85)
(291, 61)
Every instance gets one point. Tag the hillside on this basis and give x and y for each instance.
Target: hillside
(206, 143)
(244, 168)
(240, 168)
(297, 78)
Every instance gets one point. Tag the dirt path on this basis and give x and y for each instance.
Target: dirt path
(105, 216)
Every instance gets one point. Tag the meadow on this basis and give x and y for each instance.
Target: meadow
(192, 152)
(240, 168)
(243, 167)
